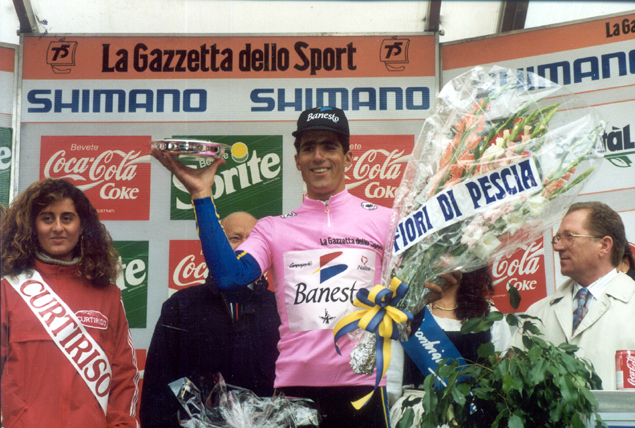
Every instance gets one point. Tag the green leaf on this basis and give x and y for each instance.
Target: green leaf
(430, 401)
(501, 369)
(589, 396)
(535, 352)
(428, 382)
(515, 421)
(512, 320)
(407, 418)
(476, 325)
(517, 383)
(494, 316)
(528, 342)
(531, 328)
(470, 325)
(529, 317)
(486, 349)
(508, 384)
(538, 372)
(514, 297)
(568, 389)
(458, 396)
(425, 423)
(576, 421)
(568, 347)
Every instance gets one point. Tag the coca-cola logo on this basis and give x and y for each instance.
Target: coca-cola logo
(189, 271)
(514, 269)
(110, 165)
(377, 167)
(523, 270)
(630, 365)
(114, 172)
(186, 264)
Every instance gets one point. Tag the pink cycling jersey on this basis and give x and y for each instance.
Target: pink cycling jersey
(320, 255)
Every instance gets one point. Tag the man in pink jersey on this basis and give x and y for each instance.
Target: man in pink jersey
(320, 255)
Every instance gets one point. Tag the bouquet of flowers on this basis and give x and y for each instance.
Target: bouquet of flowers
(497, 164)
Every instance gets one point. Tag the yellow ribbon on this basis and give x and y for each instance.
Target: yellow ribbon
(378, 316)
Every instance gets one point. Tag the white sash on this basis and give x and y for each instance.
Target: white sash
(67, 332)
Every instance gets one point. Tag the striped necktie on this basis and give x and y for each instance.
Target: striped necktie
(580, 307)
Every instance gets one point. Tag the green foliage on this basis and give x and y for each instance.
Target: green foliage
(542, 386)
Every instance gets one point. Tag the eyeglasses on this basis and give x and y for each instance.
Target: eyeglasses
(566, 239)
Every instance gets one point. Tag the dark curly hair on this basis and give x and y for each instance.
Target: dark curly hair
(472, 296)
(98, 259)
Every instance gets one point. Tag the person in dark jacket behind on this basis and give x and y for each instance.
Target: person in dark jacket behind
(627, 265)
(202, 332)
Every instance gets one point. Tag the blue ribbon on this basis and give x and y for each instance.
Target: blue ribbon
(429, 345)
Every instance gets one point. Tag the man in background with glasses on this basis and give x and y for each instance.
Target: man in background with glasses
(595, 308)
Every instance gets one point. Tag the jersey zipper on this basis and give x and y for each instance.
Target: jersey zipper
(328, 213)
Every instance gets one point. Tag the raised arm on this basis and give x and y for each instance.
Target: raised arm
(230, 270)
(197, 181)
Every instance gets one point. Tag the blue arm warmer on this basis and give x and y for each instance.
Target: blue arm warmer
(230, 270)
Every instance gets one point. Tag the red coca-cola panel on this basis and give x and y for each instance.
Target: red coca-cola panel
(525, 270)
(379, 162)
(187, 265)
(113, 171)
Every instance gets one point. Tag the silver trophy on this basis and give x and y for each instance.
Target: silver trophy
(191, 147)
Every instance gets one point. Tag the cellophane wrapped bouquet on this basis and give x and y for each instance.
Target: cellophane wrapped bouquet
(232, 407)
(497, 163)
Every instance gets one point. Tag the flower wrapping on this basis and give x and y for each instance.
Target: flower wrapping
(498, 162)
(232, 407)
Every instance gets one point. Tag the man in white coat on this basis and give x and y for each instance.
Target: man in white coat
(595, 308)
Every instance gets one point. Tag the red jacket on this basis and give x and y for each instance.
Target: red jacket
(40, 387)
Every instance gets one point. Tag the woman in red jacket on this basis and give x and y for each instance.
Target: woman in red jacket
(67, 355)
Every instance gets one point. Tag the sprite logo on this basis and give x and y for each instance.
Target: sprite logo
(133, 280)
(250, 180)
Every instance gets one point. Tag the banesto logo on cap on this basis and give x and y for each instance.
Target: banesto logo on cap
(323, 118)
(328, 116)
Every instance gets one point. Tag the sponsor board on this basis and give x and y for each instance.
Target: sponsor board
(186, 265)
(523, 270)
(114, 172)
(167, 79)
(7, 68)
(133, 280)
(6, 161)
(250, 180)
(379, 162)
(190, 57)
(7, 73)
(619, 145)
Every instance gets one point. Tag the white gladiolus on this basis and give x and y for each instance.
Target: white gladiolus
(536, 205)
(486, 246)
